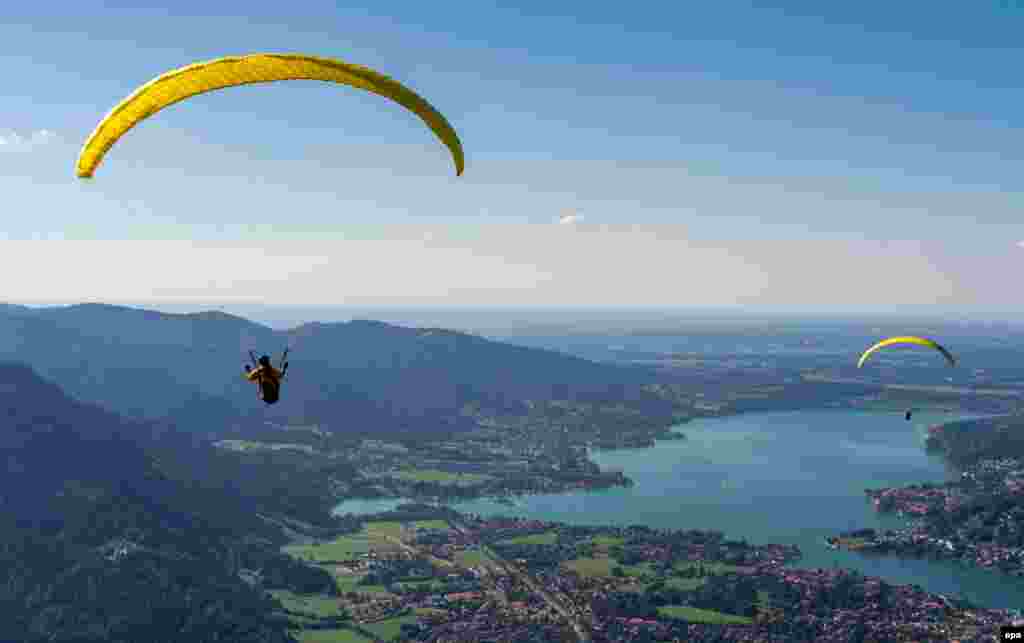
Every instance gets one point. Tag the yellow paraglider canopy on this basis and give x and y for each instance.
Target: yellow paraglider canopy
(179, 84)
(921, 341)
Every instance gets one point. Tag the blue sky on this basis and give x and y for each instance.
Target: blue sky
(808, 155)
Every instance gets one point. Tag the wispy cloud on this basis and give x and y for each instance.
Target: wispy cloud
(1020, 244)
(570, 218)
(12, 139)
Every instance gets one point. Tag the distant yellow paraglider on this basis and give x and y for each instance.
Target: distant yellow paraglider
(180, 84)
(920, 341)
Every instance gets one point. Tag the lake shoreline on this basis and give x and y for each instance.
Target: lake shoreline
(990, 480)
(709, 484)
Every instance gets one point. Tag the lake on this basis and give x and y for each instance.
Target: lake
(792, 477)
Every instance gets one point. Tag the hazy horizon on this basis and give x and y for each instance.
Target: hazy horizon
(555, 319)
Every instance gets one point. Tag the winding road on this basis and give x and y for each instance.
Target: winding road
(581, 631)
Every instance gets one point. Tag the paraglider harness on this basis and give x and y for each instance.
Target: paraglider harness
(269, 388)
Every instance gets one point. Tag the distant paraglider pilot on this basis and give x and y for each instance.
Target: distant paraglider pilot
(267, 378)
(907, 415)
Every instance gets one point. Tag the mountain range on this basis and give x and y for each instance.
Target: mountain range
(119, 521)
(101, 539)
(353, 376)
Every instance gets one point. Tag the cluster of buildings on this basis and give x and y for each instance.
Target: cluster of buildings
(996, 483)
(506, 607)
(887, 612)
(496, 467)
(906, 614)
(915, 501)
(494, 599)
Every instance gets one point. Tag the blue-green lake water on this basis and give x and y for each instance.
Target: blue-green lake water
(792, 477)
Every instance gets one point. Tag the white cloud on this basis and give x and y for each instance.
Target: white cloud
(506, 265)
(12, 139)
(1020, 244)
(286, 272)
(570, 218)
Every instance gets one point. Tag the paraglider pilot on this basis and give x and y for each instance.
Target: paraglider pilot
(267, 378)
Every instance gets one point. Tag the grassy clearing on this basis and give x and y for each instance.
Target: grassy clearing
(432, 585)
(311, 605)
(347, 583)
(899, 401)
(642, 569)
(344, 548)
(431, 524)
(425, 475)
(547, 538)
(350, 546)
(851, 543)
(591, 567)
(330, 636)
(383, 530)
(683, 584)
(249, 445)
(471, 558)
(237, 445)
(434, 475)
(608, 541)
(697, 615)
(389, 629)
(302, 622)
(601, 567)
(351, 584)
(429, 611)
(710, 567)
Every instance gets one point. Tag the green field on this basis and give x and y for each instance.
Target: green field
(548, 538)
(389, 629)
(598, 567)
(383, 530)
(249, 445)
(330, 636)
(684, 584)
(642, 569)
(852, 543)
(350, 546)
(899, 401)
(312, 605)
(710, 567)
(431, 524)
(433, 475)
(697, 615)
(308, 609)
(343, 548)
(471, 558)
(351, 584)
(607, 541)
(428, 611)
(237, 445)
(591, 567)
(432, 585)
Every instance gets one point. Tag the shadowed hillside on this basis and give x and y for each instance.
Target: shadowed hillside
(354, 376)
(103, 537)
